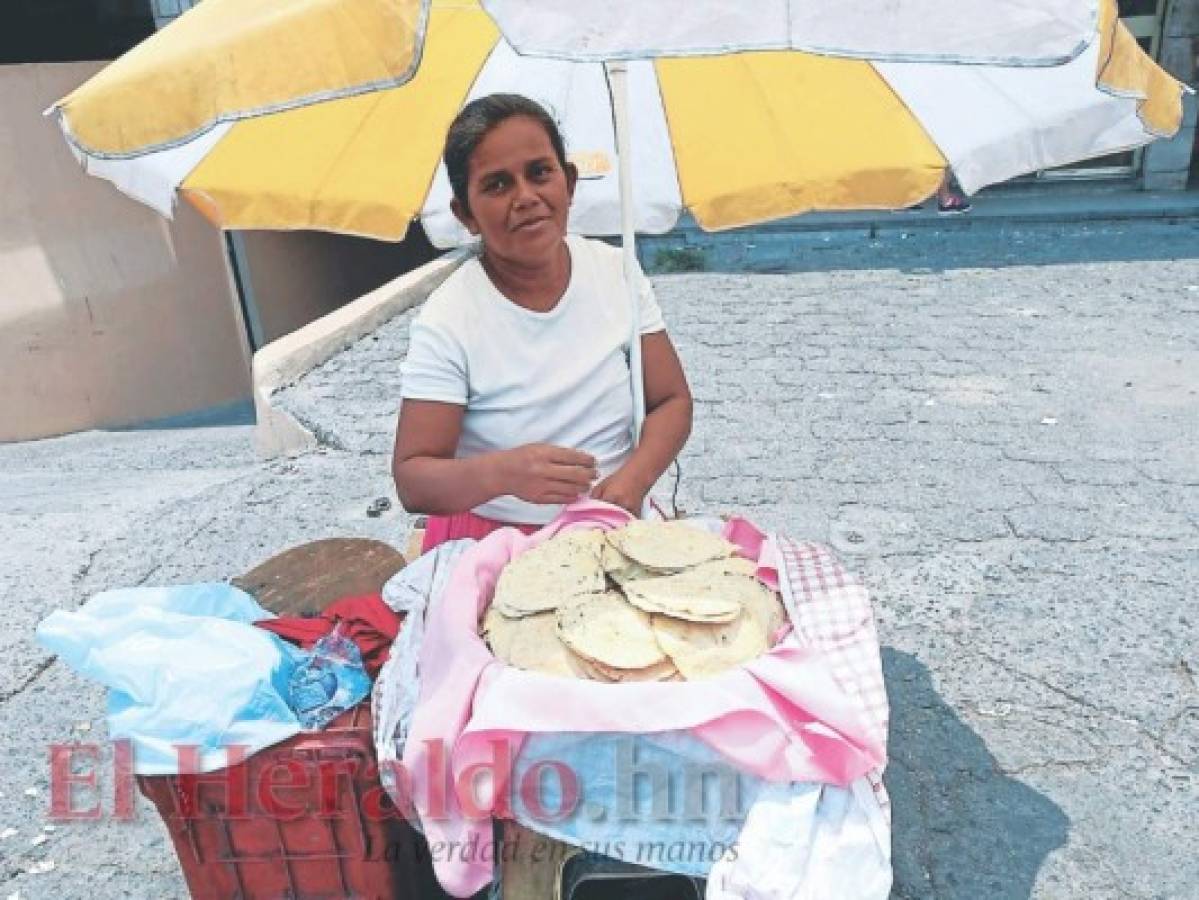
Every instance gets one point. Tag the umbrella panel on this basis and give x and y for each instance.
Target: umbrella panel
(232, 59)
(361, 165)
(760, 136)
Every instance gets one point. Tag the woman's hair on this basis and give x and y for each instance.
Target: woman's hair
(473, 123)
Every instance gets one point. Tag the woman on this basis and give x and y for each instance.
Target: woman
(516, 391)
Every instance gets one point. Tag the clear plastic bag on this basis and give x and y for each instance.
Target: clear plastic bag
(184, 667)
(330, 681)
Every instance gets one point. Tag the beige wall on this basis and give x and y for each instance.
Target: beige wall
(109, 314)
(297, 277)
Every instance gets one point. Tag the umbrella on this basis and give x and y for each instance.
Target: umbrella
(330, 114)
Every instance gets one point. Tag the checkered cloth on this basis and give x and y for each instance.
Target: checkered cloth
(830, 610)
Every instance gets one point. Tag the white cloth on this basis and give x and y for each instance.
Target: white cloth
(808, 842)
(413, 591)
(559, 377)
(1013, 32)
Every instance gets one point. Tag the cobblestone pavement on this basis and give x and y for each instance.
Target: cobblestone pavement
(1005, 452)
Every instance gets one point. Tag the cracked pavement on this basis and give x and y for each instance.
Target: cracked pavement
(997, 430)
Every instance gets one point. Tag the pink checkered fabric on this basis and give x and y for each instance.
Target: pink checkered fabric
(830, 609)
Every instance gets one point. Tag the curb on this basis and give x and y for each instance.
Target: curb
(686, 245)
(283, 361)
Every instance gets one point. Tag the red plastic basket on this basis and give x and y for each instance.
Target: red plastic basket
(325, 830)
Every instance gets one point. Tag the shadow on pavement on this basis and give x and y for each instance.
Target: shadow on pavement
(962, 829)
(239, 412)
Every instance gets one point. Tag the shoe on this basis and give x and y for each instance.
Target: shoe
(953, 206)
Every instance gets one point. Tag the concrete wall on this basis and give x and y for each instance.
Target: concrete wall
(1167, 163)
(296, 277)
(109, 314)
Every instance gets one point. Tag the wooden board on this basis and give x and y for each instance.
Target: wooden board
(531, 863)
(305, 579)
(416, 539)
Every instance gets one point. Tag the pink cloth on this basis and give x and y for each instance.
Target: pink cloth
(440, 529)
(783, 717)
(831, 611)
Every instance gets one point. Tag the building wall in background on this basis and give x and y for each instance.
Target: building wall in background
(1167, 163)
(294, 277)
(166, 10)
(38, 31)
(109, 314)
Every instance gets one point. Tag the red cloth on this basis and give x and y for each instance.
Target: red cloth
(367, 621)
(440, 529)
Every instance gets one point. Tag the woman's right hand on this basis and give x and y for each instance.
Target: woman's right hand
(544, 473)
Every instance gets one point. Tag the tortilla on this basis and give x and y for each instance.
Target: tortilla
(620, 568)
(730, 565)
(543, 578)
(700, 615)
(703, 599)
(589, 539)
(531, 643)
(702, 650)
(766, 606)
(662, 671)
(498, 631)
(668, 546)
(605, 628)
(755, 597)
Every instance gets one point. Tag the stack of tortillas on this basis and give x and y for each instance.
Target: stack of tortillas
(653, 601)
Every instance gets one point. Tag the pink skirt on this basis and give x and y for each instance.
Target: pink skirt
(440, 529)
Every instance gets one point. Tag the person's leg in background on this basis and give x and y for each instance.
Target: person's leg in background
(951, 199)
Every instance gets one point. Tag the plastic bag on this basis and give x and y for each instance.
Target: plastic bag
(329, 682)
(184, 668)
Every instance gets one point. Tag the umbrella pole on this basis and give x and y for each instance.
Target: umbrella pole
(618, 79)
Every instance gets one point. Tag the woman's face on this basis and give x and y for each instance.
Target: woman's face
(519, 193)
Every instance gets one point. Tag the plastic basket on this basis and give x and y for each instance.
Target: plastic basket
(325, 828)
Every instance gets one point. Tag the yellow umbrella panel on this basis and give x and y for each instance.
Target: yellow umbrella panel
(760, 136)
(226, 60)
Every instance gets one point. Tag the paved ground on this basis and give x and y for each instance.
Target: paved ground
(998, 430)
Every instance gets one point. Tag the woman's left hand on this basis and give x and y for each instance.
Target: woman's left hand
(624, 489)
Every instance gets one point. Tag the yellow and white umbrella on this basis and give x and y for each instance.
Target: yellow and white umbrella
(329, 114)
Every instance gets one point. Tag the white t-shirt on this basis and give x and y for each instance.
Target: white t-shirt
(559, 377)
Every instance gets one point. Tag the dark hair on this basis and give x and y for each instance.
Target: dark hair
(473, 123)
